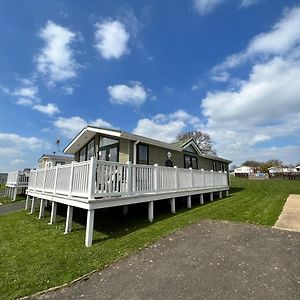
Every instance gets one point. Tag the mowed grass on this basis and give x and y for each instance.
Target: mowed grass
(35, 256)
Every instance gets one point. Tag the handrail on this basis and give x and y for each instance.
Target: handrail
(95, 179)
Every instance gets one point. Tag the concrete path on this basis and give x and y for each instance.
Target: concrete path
(7, 208)
(290, 215)
(208, 260)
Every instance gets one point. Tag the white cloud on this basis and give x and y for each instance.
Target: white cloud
(122, 94)
(166, 127)
(204, 7)
(56, 60)
(68, 90)
(24, 101)
(111, 39)
(248, 3)
(280, 40)
(26, 91)
(18, 161)
(49, 109)
(70, 127)
(264, 108)
(12, 140)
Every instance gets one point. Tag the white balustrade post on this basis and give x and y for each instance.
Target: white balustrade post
(35, 179)
(44, 179)
(15, 194)
(129, 177)
(156, 178)
(27, 202)
(220, 194)
(212, 179)
(176, 177)
(203, 177)
(189, 201)
(150, 211)
(69, 218)
(191, 177)
(220, 178)
(53, 212)
(71, 178)
(32, 205)
(55, 180)
(92, 178)
(201, 199)
(173, 208)
(211, 196)
(42, 208)
(89, 228)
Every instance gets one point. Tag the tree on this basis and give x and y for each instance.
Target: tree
(252, 163)
(202, 139)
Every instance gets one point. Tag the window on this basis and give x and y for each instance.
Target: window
(190, 162)
(90, 150)
(108, 149)
(82, 154)
(142, 154)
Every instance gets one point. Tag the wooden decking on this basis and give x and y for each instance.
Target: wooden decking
(98, 184)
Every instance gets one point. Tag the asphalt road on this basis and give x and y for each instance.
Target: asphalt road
(209, 260)
(7, 208)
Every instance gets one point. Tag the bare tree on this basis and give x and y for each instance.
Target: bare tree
(202, 139)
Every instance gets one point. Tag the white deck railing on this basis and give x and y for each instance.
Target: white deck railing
(16, 178)
(93, 179)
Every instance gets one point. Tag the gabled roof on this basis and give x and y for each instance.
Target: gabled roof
(57, 157)
(88, 132)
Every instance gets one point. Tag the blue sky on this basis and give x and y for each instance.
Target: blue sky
(155, 68)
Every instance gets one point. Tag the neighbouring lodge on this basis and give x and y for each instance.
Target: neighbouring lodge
(116, 168)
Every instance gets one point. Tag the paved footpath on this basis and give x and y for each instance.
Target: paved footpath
(7, 208)
(290, 216)
(208, 260)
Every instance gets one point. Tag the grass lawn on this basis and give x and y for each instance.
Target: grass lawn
(35, 256)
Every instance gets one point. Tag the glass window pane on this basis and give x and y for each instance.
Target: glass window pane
(82, 154)
(142, 154)
(91, 150)
(104, 141)
(194, 163)
(187, 161)
(113, 154)
(102, 155)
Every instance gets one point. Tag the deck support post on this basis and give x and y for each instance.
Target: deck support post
(211, 196)
(69, 219)
(89, 228)
(150, 211)
(227, 193)
(32, 205)
(189, 201)
(201, 199)
(220, 194)
(125, 210)
(15, 193)
(42, 209)
(27, 202)
(173, 208)
(53, 212)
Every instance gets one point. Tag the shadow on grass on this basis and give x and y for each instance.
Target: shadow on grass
(113, 224)
(234, 190)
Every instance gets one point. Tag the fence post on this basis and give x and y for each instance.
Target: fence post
(212, 175)
(44, 180)
(156, 179)
(176, 177)
(203, 177)
(55, 180)
(71, 178)
(129, 177)
(192, 177)
(92, 177)
(36, 174)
